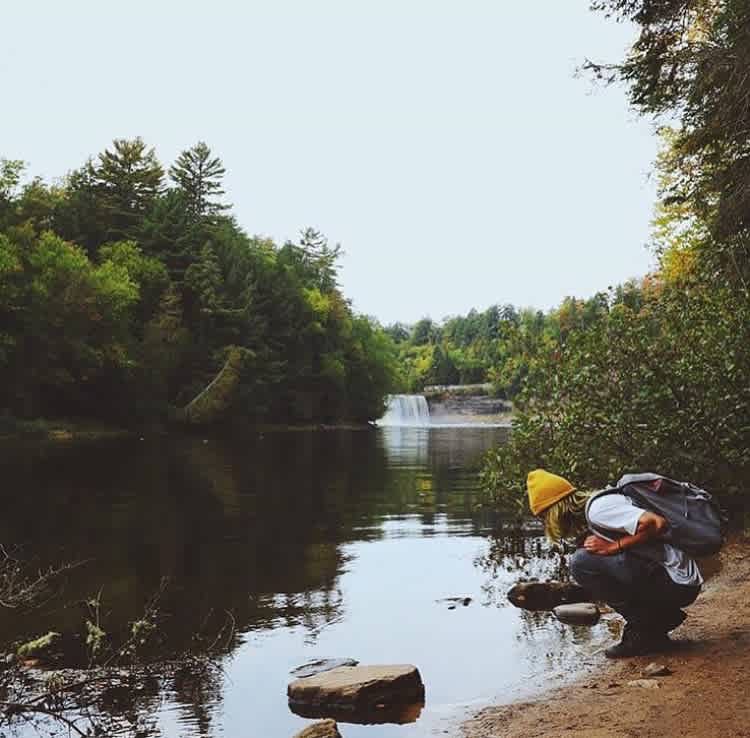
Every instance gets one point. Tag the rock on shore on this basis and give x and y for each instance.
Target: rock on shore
(582, 613)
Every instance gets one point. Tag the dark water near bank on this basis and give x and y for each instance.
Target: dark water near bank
(319, 544)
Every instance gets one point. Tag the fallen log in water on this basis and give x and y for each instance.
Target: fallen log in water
(546, 595)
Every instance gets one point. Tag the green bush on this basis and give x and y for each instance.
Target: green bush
(659, 388)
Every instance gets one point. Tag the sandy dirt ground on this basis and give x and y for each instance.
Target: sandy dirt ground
(706, 696)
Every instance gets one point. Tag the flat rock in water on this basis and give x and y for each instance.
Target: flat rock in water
(323, 729)
(311, 668)
(546, 595)
(582, 613)
(358, 688)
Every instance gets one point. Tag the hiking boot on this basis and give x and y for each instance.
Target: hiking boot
(674, 621)
(638, 643)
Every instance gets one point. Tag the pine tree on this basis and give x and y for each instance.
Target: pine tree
(320, 258)
(203, 279)
(168, 233)
(128, 179)
(199, 176)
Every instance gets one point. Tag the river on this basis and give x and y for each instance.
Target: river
(319, 544)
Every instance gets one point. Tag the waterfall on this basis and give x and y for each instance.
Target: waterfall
(406, 410)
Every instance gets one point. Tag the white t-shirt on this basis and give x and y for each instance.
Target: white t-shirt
(617, 513)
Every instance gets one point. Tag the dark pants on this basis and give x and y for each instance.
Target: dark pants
(639, 589)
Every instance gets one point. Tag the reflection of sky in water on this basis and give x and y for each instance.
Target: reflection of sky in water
(391, 589)
(322, 546)
(444, 447)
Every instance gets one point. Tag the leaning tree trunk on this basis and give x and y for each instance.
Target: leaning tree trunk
(216, 398)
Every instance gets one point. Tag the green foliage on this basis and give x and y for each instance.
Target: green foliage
(167, 232)
(690, 62)
(119, 300)
(443, 369)
(651, 376)
(38, 645)
(424, 332)
(148, 273)
(96, 639)
(213, 402)
(372, 369)
(67, 320)
(493, 346)
(11, 171)
(10, 177)
(662, 388)
(203, 280)
(141, 631)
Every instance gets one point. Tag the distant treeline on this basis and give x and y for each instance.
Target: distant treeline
(123, 286)
(498, 345)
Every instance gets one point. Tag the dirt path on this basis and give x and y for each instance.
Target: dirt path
(707, 695)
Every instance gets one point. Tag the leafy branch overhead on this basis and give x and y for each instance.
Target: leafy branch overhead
(660, 380)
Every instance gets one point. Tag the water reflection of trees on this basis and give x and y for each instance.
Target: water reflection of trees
(434, 471)
(223, 520)
(197, 692)
(220, 521)
(111, 701)
(527, 555)
(524, 553)
(257, 527)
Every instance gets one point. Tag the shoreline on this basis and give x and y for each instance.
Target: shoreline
(705, 695)
(64, 431)
(50, 430)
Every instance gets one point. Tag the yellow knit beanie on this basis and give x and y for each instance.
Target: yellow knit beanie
(546, 489)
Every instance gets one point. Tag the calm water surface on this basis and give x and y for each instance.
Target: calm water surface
(320, 545)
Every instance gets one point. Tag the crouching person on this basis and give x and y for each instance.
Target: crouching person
(622, 562)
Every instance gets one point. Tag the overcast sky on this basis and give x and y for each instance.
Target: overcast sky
(446, 145)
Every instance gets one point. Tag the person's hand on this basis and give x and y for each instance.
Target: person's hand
(597, 545)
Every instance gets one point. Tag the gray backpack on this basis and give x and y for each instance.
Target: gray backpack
(696, 523)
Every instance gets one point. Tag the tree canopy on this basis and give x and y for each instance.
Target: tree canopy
(660, 379)
(121, 295)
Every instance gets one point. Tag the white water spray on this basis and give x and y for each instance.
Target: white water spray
(410, 410)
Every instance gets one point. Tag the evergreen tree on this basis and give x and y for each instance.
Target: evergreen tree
(198, 175)
(128, 179)
(203, 279)
(165, 343)
(80, 217)
(202, 288)
(443, 369)
(10, 176)
(168, 233)
(424, 332)
(321, 257)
